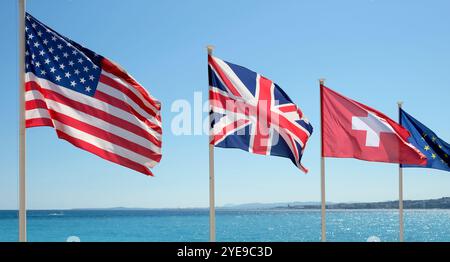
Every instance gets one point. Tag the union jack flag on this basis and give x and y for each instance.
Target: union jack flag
(250, 112)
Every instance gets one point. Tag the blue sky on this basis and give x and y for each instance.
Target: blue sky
(377, 52)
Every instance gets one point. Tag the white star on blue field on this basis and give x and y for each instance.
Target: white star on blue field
(61, 56)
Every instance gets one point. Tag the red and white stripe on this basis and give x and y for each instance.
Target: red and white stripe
(120, 123)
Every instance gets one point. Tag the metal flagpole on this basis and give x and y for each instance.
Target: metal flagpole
(400, 187)
(22, 188)
(212, 208)
(322, 171)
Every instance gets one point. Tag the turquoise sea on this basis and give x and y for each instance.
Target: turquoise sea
(232, 225)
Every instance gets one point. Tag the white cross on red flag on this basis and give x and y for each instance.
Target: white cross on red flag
(353, 130)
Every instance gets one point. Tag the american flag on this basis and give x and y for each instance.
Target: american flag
(252, 113)
(90, 101)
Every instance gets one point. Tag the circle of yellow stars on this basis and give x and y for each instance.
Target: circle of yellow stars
(428, 148)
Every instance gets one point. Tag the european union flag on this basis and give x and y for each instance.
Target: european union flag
(435, 149)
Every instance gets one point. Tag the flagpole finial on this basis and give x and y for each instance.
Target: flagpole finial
(210, 49)
(322, 81)
(400, 103)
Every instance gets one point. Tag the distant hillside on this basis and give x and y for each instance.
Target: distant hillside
(268, 205)
(440, 203)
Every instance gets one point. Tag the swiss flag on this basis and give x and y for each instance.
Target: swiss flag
(353, 130)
